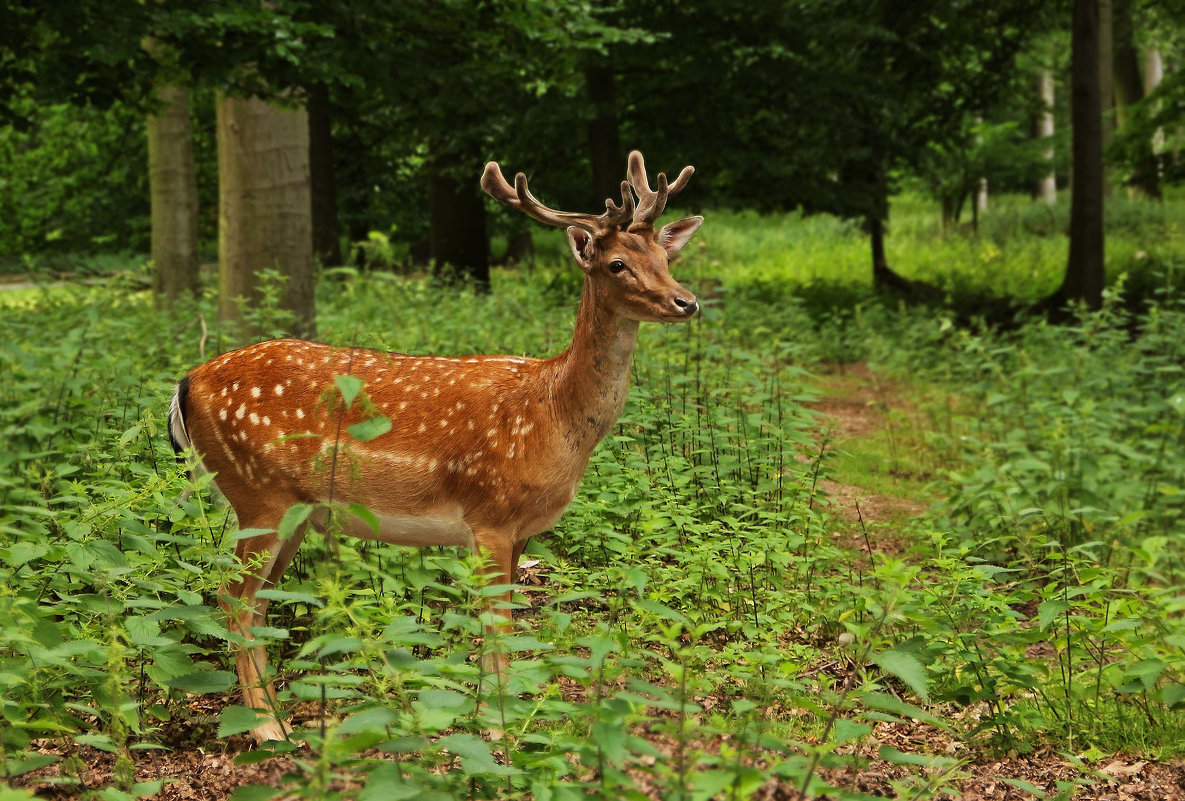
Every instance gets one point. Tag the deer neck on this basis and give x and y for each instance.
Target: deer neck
(593, 374)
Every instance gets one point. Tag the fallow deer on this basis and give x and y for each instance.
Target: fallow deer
(482, 451)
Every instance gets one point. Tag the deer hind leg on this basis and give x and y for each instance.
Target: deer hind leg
(264, 559)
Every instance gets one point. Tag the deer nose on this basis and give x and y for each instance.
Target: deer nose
(687, 305)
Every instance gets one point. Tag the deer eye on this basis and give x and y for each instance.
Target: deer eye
(616, 266)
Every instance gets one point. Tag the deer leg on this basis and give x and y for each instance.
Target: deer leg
(501, 567)
(247, 611)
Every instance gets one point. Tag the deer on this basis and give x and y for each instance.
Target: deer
(483, 451)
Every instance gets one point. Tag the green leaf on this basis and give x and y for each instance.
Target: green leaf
(848, 730)
(370, 429)
(1172, 695)
(386, 783)
(890, 754)
(204, 681)
(475, 754)
(1021, 784)
(908, 669)
(100, 741)
(366, 516)
(1048, 611)
(238, 719)
(254, 792)
(349, 386)
(293, 519)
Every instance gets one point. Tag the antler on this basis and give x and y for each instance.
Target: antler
(520, 198)
(651, 203)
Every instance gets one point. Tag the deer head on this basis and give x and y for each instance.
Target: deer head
(625, 259)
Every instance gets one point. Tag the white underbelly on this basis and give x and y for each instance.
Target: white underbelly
(420, 531)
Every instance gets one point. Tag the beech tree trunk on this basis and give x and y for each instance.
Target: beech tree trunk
(1047, 185)
(326, 231)
(458, 245)
(604, 142)
(173, 189)
(1129, 89)
(265, 216)
(1085, 268)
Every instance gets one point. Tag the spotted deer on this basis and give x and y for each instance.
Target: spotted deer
(482, 451)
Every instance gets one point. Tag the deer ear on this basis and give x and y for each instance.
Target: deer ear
(580, 241)
(674, 236)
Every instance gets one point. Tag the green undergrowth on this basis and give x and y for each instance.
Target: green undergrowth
(698, 630)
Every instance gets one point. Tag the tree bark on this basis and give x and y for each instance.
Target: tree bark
(458, 245)
(173, 188)
(1129, 89)
(1085, 268)
(265, 209)
(604, 142)
(326, 231)
(1047, 185)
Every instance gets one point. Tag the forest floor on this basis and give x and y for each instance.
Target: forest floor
(856, 407)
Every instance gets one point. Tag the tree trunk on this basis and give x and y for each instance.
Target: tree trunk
(1084, 269)
(173, 187)
(1106, 83)
(1047, 185)
(604, 142)
(1153, 71)
(323, 186)
(265, 210)
(458, 244)
(1129, 89)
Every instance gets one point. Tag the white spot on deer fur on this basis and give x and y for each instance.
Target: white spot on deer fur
(422, 428)
(256, 392)
(279, 389)
(254, 418)
(402, 406)
(493, 432)
(234, 387)
(452, 381)
(432, 465)
(224, 391)
(472, 361)
(469, 423)
(443, 423)
(242, 410)
(267, 421)
(425, 394)
(526, 429)
(472, 471)
(300, 414)
(288, 358)
(222, 414)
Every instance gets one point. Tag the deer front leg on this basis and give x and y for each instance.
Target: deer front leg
(246, 611)
(501, 567)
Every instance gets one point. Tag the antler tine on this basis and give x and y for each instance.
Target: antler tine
(652, 202)
(520, 197)
(616, 215)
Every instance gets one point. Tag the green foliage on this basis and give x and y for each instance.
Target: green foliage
(71, 183)
(701, 630)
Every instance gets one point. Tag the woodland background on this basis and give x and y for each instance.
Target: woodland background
(898, 515)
